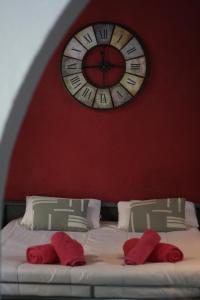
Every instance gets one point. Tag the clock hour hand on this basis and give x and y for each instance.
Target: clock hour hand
(102, 54)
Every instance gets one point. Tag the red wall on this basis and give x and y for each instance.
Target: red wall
(148, 148)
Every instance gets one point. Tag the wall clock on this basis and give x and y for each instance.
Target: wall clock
(104, 65)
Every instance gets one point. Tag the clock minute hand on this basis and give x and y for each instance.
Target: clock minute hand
(111, 65)
(90, 66)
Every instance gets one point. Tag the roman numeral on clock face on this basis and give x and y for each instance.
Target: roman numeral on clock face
(103, 33)
(119, 94)
(130, 81)
(134, 66)
(120, 37)
(76, 50)
(132, 49)
(87, 93)
(72, 66)
(75, 81)
(88, 38)
(129, 51)
(103, 98)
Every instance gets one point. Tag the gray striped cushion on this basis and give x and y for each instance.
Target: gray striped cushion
(60, 214)
(159, 214)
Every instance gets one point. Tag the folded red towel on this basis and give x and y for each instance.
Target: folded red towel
(129, 244)
(163, 252)
(60, 237)
(69, 251)
(143, 248)
(41, 254)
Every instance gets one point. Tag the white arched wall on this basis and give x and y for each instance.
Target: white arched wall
(30, 31)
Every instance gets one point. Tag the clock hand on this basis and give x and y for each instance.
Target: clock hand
(90, 66)
(103, 77)
(102, 54)
(111, 65)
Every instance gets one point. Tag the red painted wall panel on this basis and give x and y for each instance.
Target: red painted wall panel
(148, 148)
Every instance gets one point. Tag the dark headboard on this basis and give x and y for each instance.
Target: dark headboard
(197, 206)
(16, 209)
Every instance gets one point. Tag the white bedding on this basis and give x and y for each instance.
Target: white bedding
(105, 266)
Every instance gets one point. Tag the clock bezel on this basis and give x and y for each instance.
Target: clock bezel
(146, 55)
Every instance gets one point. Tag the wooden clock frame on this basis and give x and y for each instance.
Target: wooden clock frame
(99, 35)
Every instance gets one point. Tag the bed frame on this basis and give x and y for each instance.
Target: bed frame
(16, 209)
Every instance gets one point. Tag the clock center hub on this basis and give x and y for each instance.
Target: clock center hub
(104, 66)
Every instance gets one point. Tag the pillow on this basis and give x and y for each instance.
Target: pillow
(124, 214)
(93, 212)
(60, 214)
(191, 219)
(162, 215)
(124, 211)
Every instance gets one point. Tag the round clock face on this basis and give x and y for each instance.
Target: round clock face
(104, 65)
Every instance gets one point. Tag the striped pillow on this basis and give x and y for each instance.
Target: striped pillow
(159, 214)
(60, 214)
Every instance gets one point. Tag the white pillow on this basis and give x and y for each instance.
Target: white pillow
(93, 213)
(124, 214)
(124, 211)
(190, 215)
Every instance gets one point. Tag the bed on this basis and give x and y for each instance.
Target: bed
(105, 275)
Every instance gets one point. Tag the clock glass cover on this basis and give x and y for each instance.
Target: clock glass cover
(104, 65)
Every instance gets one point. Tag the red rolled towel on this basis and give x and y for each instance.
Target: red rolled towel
(143, 248)
(41, 254)
(129, 244)
(162, 252)
(69, 251)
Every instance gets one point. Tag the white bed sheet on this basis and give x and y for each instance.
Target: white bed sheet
(105, 265)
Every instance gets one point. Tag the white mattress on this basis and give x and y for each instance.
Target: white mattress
(105, 266)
